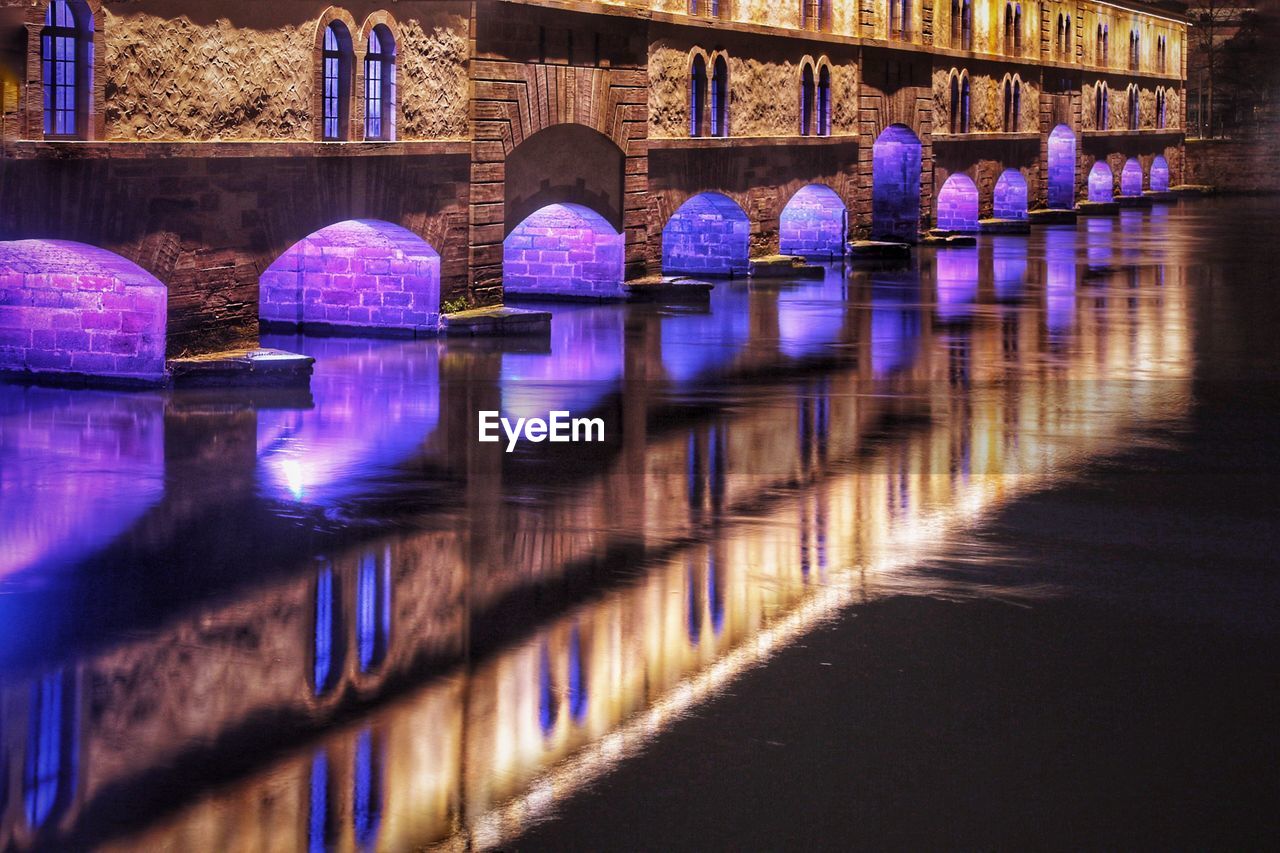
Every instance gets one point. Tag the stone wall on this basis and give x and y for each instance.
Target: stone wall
(1234, 165)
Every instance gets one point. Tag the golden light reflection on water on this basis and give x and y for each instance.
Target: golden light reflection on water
(777, 514)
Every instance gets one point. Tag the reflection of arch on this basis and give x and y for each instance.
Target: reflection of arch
(1101, 182)
(564, 164)
(1159, 174)
(958, 204)
(813, 223)
(1131, 177)
(708, 235)
(73, 308)
(52, 758)
(361, 273)
(564, 249)
(895, 184)
(1062, 168)
(1010, 197)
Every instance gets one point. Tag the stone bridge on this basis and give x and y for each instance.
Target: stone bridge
(545, 149)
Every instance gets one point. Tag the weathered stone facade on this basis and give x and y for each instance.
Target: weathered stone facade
(202, 150)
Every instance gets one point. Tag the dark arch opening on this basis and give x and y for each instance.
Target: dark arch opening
(895, 185)
(708, 235)
(1062, 168)
(564, 164)
(813, 223)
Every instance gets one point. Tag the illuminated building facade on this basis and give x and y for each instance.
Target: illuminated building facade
(381, 163)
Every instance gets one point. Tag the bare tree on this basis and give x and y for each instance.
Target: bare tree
(1213, 22)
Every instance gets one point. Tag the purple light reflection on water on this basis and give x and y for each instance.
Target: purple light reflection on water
(957, 283)
(584, 366)
(896, 323)
(811, 318)
(376, 403)
(79, 469)
(1060, 276)
(698, 343)
(1008, 266)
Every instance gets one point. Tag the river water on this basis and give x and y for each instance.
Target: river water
(978, 550)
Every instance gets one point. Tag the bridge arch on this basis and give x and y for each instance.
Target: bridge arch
(358, 274)
(1062, 168)
(814, 223)
(1159, 174)
(1101, 182)
(1009, 200)
(564, 250)
(958, 204)
(68, 307)
(1131, 177)
(708, 235)
(895, 184)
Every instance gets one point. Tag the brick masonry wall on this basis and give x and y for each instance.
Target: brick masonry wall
(69, 308)
(1234, 165)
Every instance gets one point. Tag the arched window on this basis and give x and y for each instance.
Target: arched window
(1008, 28)
(824, 101)
(1160, 114)
(1161, 52)
(954, 112)
(964, 103)
(1017, 29)
(1067, 41)
(1101, 108)
(966, 25)
(1135, 106)
(336, 71)
(720, 98)
(66, 68)
(807, 93)
(1012, 103)
(698, 97)
(1134, 42)
(380, 85)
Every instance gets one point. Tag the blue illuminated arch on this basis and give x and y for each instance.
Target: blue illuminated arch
(895, 184)
(813, 224)
(1101, 182)
(709, 235)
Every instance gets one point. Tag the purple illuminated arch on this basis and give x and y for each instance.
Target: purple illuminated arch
(1062, 168)
(563, 250)
(813, 223)
(1159, 175)
(1010, 198)
(958, 204)
(708, 235)
(1131, 177)
(70, 308)
(1101, 182)
(357, 274)
(895, 185)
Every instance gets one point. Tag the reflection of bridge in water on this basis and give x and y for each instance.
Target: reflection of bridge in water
(478, 661)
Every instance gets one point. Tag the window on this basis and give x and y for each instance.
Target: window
(806, 99)
(966, 25)
(1101, 44)
(822, 14)
(956, 18)
(900, 19)
(720, 98)
(824, 101)
(380, 85)
(1135, 109)
(336, 91)
(1162, 53)
(66, 60)
(1017, 29)
(1101, 109)
(698, 97)
(695, 7)
(959, 103)
(1012, 103)
(1160, 114)
(1134, 49)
